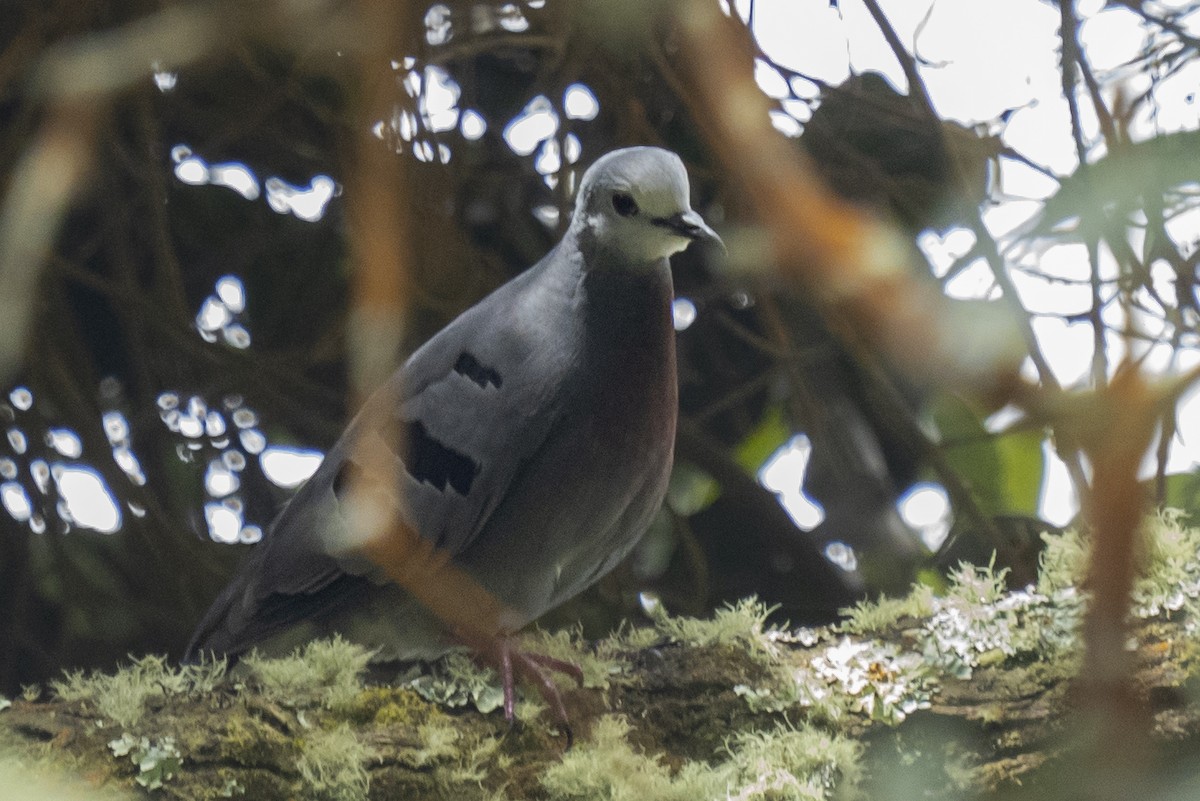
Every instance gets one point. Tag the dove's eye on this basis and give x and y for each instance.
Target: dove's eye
(624, 204)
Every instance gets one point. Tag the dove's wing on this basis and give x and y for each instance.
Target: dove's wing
(474, 404)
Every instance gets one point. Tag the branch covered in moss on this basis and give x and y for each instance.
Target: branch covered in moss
(730, 707)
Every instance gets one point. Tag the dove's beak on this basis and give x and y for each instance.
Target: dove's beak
(691, 225)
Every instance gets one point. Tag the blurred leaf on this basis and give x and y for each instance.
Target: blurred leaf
(1023, 464)
(768, 436)
(932, 578)
(1004, 472)
(1123, 178)
(1183, 492)
(691, 489)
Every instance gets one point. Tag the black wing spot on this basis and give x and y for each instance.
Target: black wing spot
(437, 464)
(467, 365)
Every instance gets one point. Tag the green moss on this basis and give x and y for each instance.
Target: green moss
(636, 638)
(385, 705)
(786, 763)
(1170, 580)
(873, 617)
(246, 740)
(332, 765)
(1063, 562)
(323, 672)
(741, 625)
(122, 697)
(978, 584)
(472, 761)
(609, 767)
(1170, 572)
(439, 742)
(598, 664)
(782, 764)
(976, 622)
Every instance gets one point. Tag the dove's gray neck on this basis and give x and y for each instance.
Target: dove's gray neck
(627, 317)
(617, 287)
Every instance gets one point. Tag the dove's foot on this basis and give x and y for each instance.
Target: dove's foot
(510, 662)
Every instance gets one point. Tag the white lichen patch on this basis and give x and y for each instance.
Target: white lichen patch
(457, 681)
(978, 622)
(157, 760)
(867, 677)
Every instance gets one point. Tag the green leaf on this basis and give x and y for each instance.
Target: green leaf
(1002, 471)
(1183, 492)
(1123, 180)
(768, 436)
(1022, 466)
(691, 489)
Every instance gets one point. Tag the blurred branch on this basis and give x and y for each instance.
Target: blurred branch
(458, 51)
(1066, 447)
(1115, 425)
(986, 244)
(761, 343)
(916, 86)
(1072, 58)
(381, 246)
(1167, 24)
(110, 61)
(734, 397)
(1115, 448)
(45, 180)
(377, 205)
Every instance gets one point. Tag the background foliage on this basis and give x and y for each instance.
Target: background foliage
(111, 310)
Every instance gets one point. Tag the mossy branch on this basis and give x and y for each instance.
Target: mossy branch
(682, 709)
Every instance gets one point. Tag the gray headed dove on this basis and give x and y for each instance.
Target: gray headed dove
(539, 428)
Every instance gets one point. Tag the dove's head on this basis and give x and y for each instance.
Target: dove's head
(634, 203)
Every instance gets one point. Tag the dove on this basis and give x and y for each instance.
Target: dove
(538, 433)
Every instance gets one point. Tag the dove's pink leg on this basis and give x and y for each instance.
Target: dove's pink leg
(501, 653)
